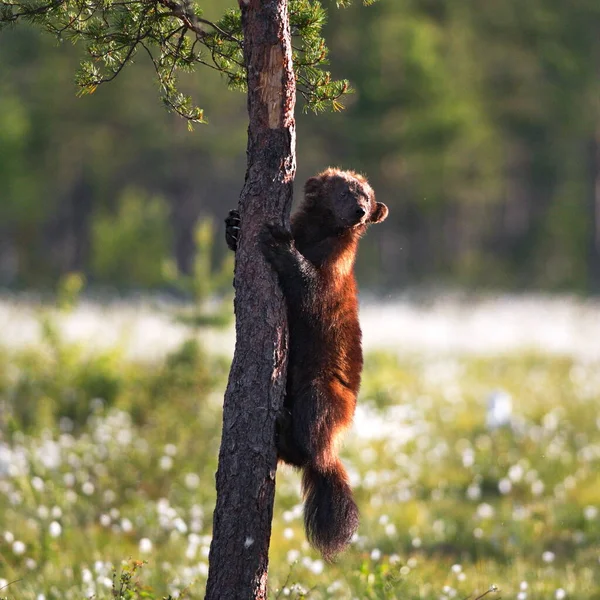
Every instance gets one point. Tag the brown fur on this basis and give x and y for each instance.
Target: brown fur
(315, 267)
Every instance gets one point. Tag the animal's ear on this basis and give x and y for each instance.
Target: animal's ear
(380, 213)
(312, 187)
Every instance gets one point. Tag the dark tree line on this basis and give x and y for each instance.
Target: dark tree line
(476, 124)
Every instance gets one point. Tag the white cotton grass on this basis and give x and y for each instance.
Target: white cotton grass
(54, 529)
(375, 554)
(18, 548)
(448, 324)
(145, 545)
(499, 410)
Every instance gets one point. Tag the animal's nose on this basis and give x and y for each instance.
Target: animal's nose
(360, 212)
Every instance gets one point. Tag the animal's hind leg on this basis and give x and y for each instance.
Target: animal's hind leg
(287, 450)
(318, 418)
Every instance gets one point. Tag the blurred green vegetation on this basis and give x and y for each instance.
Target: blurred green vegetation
(477, 124)
(104, 460)
(131, 246)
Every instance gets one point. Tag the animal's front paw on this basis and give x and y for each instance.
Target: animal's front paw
(232, 229)
(274, 238)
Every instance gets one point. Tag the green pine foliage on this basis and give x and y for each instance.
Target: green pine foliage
(176, 38)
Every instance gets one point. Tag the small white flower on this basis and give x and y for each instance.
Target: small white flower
(104, 520)
(180, 525)
(56, 512)
(288, 516)
(468, 457)
(9, 538)
(166, 463)
(375, 554)
(145, 546)
(126, 525)
(170, 449)
(87, 488)
(560, 594)
(54, 529)
(522, 596)
(87, 576)
(473, 492)
(456, 568)
(548, 556)
(99, 566)
(317, 567)
(524, 585)
(288, 533)
(37, 483)
(515, 473)
(590, 513)
(192, 481)
(485, 511)
(293, 556)
(18, 547)
(504, 486)
(499, 409)
(537, 488)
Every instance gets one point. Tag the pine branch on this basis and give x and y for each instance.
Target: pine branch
(113, 32)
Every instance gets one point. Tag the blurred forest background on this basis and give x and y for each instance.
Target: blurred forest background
(477, 123)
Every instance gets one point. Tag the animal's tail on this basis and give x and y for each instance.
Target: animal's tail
(330, 514)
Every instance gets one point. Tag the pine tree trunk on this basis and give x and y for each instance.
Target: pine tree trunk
(247, 459)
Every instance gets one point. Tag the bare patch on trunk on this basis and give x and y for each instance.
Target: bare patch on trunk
(270, 86)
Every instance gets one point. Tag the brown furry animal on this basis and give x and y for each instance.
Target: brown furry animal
(315, 267)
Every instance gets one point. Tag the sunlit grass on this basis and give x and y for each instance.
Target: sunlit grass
(471, 474)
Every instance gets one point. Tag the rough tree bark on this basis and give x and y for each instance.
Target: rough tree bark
(247, 459)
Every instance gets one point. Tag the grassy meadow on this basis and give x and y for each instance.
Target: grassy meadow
(477, 475)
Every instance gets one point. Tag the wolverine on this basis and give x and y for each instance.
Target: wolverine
(314, 264)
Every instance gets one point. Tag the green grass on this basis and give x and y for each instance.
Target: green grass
(104, 463)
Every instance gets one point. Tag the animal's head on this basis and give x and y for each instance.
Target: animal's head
(345, 198)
